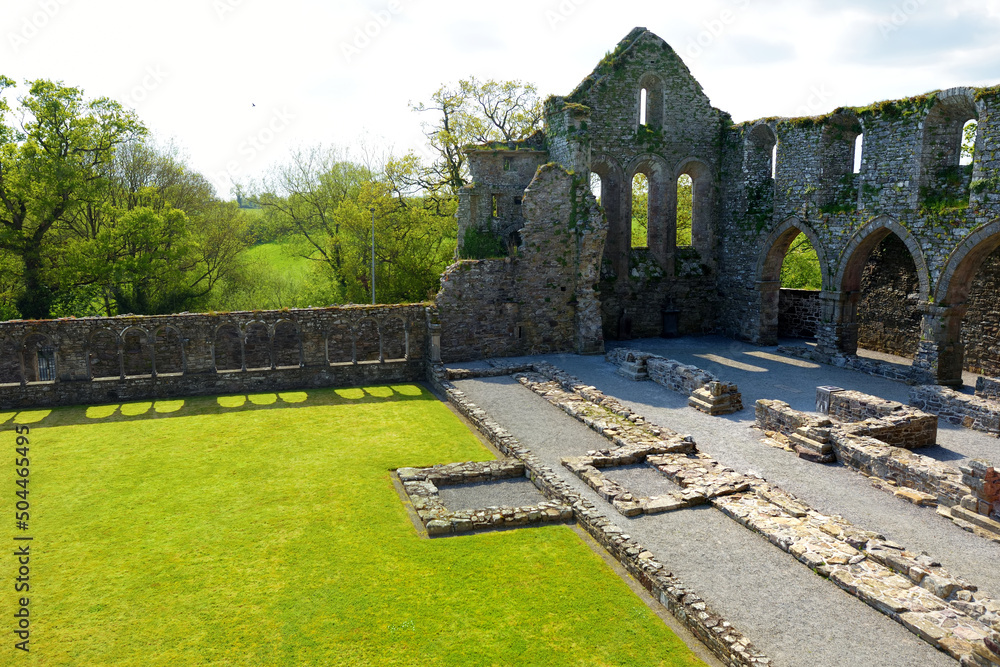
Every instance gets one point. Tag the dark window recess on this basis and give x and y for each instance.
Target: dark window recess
(46, 364)
(496, 206)
(506, 164)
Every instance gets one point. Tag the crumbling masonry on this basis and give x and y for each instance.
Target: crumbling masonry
(908, 249)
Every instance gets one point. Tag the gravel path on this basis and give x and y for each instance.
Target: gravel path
(832, 489)
(795, 616)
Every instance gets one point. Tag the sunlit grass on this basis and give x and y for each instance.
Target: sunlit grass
(272, 535)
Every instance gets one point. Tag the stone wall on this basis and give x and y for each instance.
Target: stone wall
(891, 422)
(677, 376)
(981, 325)
(957, 408)
(96, 360)
(542, 300)
(988, 388)
(799, 312)
(872, 456)
(888, 314)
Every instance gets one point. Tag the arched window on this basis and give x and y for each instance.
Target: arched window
(774, 162)
(596, 186)
(257, 346)
(650, 102)
(695, 193)
(838, 192)
(102, 355)
(228, 348)
(858, 151)
(137, 357)
(945, 176)
(970, 133)
(640, 211)
(39, 359)
(685, 209)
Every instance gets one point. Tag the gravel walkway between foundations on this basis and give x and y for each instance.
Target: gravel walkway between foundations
(796, 617)
(831, 489)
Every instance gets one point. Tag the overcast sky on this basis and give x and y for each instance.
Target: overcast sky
(238, 83)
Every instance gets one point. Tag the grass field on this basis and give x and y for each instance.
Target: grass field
(280, 256)
(265, 530)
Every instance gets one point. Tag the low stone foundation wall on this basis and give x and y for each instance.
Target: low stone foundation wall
(727, 643)
(889, 421)
(421, 485)
(873, 367)
(988, 388)
(956, 408)
(852, 446)
(706, 392)
(912, 589)
(678, 377)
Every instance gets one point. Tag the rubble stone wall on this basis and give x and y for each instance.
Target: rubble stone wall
(957, 408)
(95, 360)
(888, 313)
(799, 313)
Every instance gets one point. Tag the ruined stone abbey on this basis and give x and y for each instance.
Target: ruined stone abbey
(906, 246)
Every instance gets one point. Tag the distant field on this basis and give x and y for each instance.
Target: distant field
(265, 530)
(281, 256)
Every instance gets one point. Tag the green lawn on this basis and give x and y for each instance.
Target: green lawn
(265, 530)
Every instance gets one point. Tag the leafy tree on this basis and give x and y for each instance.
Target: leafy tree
(801, 269)
(473, 112)
(156, 241)
(324, 200)
(52, 166)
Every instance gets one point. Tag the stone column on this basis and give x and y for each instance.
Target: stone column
(837, 333)
(941, 352)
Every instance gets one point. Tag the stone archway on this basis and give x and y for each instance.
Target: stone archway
(769, 274)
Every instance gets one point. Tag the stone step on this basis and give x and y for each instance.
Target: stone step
(983, 522)
(816, 446)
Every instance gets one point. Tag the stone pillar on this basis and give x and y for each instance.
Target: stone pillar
(941, 352)
(837, 333)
